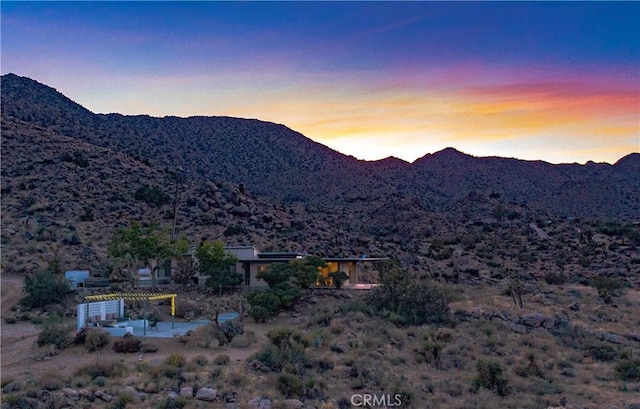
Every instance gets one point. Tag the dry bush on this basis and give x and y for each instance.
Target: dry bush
(96, 338)
(186, 308)
(128, 343)
(101, 371)
(176, 359)
(222, 360)
(243, 341)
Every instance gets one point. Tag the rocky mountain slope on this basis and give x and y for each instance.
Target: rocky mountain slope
(70, 177)
(274, 161)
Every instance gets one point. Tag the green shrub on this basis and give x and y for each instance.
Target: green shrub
(410, 301)
(231, 329)
(628, 369)
(152, 195)
(490, 376)
(54, 332)
(96, 338)
(338, 278)
(290, 386)
(45, 287)
(263, 304)
(603, 353)
(200, 360)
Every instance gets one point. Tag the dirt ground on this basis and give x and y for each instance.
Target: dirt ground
(18, 344)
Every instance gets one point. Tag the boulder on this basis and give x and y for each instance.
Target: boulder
(292, 404)
(44, 395)
(71, 393)
(533, 320)
(104, 396)
(264, 404)
(87, 394)
(186, 391)
(207, 394)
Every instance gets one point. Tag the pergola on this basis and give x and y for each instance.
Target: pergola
(146, 297)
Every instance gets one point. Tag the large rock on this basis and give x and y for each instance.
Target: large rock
(533, 320)
(104, 396)
(264, 404)
(207, 394)
(292, 404)
(71, 393)
(241, 210)
(186, 391)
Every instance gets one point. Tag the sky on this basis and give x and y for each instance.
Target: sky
(553, 81)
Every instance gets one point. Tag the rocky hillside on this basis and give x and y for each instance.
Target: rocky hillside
(274, 161)
(70, 177)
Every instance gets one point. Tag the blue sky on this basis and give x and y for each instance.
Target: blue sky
(544, 80)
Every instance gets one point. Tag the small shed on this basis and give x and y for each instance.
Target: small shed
(76, 278)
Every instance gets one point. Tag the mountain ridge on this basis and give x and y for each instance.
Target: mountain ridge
(276, 162)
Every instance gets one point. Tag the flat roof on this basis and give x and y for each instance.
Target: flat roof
(281, 259)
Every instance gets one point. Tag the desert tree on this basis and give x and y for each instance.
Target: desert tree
(143, 244)
(218, 265)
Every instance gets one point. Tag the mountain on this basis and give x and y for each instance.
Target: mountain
(70, 177)
(276, 162)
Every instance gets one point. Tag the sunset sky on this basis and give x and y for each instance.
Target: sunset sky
(544, 80)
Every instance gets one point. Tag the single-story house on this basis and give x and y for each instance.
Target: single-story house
(251, 262)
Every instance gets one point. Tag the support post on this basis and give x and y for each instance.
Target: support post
(144, 319)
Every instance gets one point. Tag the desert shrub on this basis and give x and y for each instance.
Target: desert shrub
(50, 381)
(176, 359)
(128, 343)
(148, 347)
(77, 157)
(152, 195)
(338, 278)
(286, 351)
(10, 319)
(122, 400)
(101, 371)
(628, 369)
(490, 376)
(54, 332)
(231, 329)
(96, 338)
(187, 307)
(243, 340)
(409, 301)
(603, 352)
(290, 386)
(270, 356)
(45, 287)
(13, 401)
(263, 304)
(200, 360)
(530, 368)
(555, 278)
(222, 360)
(607, 287)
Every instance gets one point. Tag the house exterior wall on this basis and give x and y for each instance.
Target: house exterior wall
(243, 252)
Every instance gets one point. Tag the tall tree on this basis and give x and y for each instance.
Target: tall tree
(216, 263)
(137, 244)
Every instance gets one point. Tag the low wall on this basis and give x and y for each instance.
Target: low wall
(118, 331)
